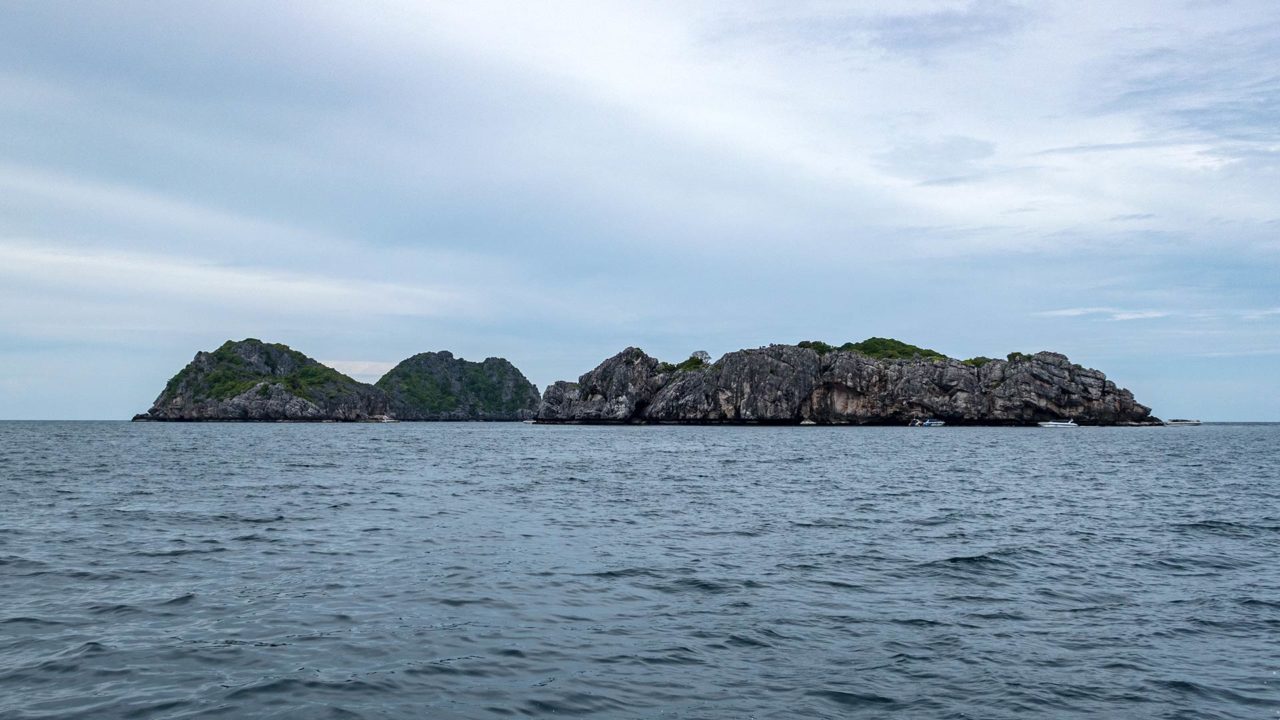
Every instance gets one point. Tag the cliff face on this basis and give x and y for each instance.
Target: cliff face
(251, 380)
(438, 386)
(790, 384)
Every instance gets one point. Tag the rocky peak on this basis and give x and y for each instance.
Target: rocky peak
(438, 386)
(253, 380)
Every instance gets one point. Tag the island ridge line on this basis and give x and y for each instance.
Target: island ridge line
(876, 382)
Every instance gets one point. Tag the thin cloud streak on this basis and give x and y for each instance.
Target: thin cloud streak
(1108, 312)
(167, 280)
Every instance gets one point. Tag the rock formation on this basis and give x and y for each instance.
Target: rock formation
(787, 384)
(251, 380)
(438, 386)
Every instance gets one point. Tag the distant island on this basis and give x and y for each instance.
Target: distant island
(253, 381)
(878, 381)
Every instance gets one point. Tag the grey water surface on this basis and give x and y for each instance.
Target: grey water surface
(510, 570)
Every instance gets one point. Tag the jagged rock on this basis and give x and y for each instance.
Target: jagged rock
(764, 385)
(251, 380)
(438, 386)
(617, 391)
(793, 384)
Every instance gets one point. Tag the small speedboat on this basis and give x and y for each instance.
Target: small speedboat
(1058, 424)
(1181, 421)
(926, 423)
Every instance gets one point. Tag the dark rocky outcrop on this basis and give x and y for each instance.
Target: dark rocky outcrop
(251, 380)
(438, 386)
(784, 384)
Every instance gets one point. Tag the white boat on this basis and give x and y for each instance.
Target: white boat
(807, 421)
(1058, 424)
(1181, 421)
(927, 423)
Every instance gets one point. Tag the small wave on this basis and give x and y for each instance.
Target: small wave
(840, 584)
(22, 620)
(88, 575)
(919, 622)
(573, 704)
(933, 520)
(17, 561)
(625, 573)
(678, 655)
(1194, 689)
(116, 609)
(729, 533)
(980, 559)
(284, 686)
(1220, 527)
(744, 641)
(823, 523)
(177, 552)
(1258, 602)
(1084, 598)
(700, 585)
(1200, 563)
(482, 601)
(248, 519)
(990, 560)
(87, 648)
(150, 710)
(855, 699)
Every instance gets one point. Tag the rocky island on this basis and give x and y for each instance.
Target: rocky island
(438, 386)
(253, 381)
(877, 381)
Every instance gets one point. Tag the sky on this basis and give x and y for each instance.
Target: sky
(552, 182)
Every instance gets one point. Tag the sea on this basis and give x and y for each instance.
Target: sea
(507, 570)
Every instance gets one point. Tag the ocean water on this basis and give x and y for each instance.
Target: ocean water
(510, 570)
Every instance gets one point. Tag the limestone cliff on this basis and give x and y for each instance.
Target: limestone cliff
(783, 384)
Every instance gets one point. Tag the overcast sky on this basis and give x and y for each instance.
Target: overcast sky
(551, 182)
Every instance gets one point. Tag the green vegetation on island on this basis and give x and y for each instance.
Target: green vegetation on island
(253, 380)
(438, 386)
(237, 367)
(696, 361)
(878, 348)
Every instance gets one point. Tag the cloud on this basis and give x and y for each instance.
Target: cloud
(1108, 313)
(112, 201)
(1211, 81)
(925, 34)
(162, 280)
(928, 160)
(1261, 314)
